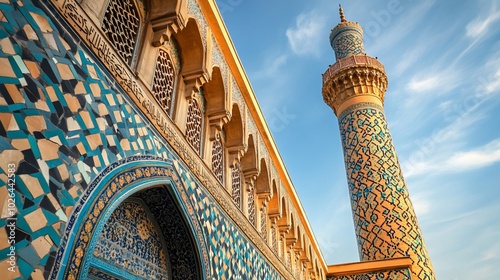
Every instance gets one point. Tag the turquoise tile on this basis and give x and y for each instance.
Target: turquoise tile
(29, 254)
(25, 268)
(21, 223)
(51, 218)
(23, 189)
(5, 143)
(55, 162)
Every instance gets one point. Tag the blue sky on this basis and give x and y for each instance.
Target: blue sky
(443, 63)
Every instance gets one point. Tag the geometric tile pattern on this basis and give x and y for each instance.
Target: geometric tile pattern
(62, 122)
(347, 39)
(395, 274)
(348, 44)
(385, 222)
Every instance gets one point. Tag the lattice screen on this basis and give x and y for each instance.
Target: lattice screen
(236, 184)
(194, 124)
(263, 223)
(274, 238)
(121, 26)
(251, 206)
(218, 158)
(163, 80)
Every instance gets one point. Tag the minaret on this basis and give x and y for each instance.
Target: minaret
(384, 219)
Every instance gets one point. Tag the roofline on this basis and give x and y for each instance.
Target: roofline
(219, 30)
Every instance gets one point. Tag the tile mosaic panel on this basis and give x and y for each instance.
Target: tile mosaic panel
(63, 121)
(347, 40)
(384, 219)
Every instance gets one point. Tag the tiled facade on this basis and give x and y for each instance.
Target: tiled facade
(79, 142)
(132, 147)
(384, 220)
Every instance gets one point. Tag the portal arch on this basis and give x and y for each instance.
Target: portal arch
(153, 181)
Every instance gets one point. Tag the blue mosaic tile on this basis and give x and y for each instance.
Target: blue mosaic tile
(222, 238)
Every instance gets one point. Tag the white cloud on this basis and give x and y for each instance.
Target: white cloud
(307, 34)
(479, 157)
(479, 26)
(425, 84)
(482, 156)
(493, 85)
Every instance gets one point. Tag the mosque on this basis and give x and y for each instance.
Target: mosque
(133, 147)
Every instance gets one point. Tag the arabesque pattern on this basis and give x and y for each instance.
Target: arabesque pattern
(131, 242)
(384, 219)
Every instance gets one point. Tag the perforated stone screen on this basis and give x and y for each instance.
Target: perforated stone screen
(121, 25)
(193, 124)
(236, 185)
(218, 159)
(163, 80)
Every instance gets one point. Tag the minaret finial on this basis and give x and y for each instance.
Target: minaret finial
(342, 17)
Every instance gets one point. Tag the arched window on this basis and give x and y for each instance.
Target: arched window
(218, 158)
(163, 80)
(121, 24)
(236, 184)
(194, 124)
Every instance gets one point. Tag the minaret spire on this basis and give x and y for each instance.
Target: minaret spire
(341, 11)
(346, 38)
(385, 222)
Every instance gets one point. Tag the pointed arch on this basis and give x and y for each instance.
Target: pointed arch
(104, 194)
(273, 208)
(262, 182)
(249, 159)
(215, 95)
(234, 129)
(192, 50)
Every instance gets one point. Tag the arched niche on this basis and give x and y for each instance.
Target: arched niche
(273, 208)
(249, 160)
(192, 55)
(217, 110)
(215, 95)
(262, 186)
(284, 220)
(291, 236)
(235, 136)
(154, 182)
